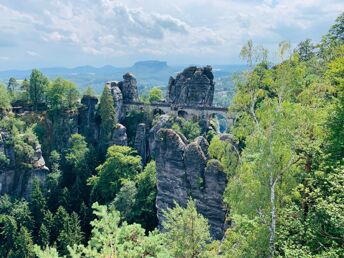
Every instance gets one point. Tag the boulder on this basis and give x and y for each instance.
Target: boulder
(119, 135)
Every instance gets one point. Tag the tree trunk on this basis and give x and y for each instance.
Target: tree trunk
(273, 216)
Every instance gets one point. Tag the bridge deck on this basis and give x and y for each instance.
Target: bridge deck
(206, 108)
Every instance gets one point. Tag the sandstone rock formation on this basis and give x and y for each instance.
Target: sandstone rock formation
(19, 182)
(183, 171)
(140, 143)
(192, 87)
(129, 88)
(87, 118)
(119, 135)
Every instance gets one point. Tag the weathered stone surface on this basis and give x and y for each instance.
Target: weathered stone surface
(163, 122)
(192, 87)
(87, 118)
(17, 182)
(140, 143)
(128, 88)
(119, 136)
(171, 183)
(184, 171)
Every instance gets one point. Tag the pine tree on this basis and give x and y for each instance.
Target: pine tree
(38, 205)
(108, 116)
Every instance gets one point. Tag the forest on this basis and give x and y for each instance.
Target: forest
(284, 166)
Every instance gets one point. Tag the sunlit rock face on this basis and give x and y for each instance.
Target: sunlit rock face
(192, 87)
(184, 171)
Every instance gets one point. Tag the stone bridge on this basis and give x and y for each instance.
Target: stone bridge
(187, 112)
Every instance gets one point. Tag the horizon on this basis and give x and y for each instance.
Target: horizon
(113, 32)
(123, 67)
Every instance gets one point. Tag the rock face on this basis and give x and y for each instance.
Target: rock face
(18, 182)
(87, 122)
(183, 171)
(129, 88)
(119, 136)
(140, 143)
(192, 87)
(123, 92)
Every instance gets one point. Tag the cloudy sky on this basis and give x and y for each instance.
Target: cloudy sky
(46, 33)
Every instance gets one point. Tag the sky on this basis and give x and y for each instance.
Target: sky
(51, 33)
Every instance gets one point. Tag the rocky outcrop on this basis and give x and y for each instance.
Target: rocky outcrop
(17, 182)
(128, 88)
(123, 92)
(140, 143)
(87, 118)
(183, 171)
(163, 122)
(117, 96)
(192, 87)
(119, 135)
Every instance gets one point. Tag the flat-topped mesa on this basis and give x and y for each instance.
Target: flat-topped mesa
(192, 87)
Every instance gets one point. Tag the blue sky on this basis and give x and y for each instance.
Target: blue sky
(46, 33)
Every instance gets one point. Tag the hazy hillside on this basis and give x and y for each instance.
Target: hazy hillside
(148, 74)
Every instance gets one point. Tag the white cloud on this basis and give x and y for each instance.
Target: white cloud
(190, 31)
(32, 53)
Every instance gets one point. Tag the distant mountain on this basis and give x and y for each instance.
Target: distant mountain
(148, 73)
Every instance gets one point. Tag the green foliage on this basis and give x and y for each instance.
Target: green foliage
(188, 128)
(89, 91)
(77, 152)
(38, 87)
(187, 232)
(108, 116)
(125, 200)
(109, 239)
(5, 99)
(12, 84)
(62, 95)
(121, 163)
(70, 233)
(155, 95)
(144, 210)
(38, 205)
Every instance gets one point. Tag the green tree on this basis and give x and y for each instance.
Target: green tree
(38, 205)
(70, 233)
(5, 100)
(155, 95)
(38, 87)
(187, 232)
(110, 239)
(23, 245)
(108, 116)
(144, 210)
(121, 163)
(188, 128)
(62, 95)
(125, 200)
(12, 85)
(89, 91)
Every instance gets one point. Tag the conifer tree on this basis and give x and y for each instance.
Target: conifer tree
(108, 117)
